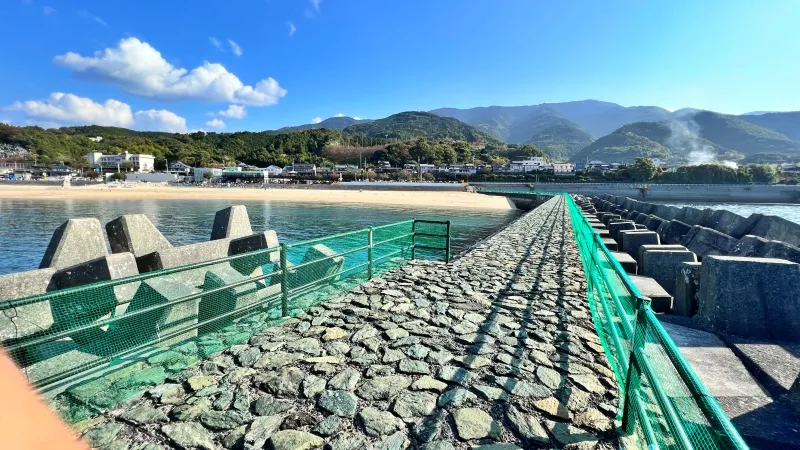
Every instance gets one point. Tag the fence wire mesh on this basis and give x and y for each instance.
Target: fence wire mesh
(91, 347)
(664, 403)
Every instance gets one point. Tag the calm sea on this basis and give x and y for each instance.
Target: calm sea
(27, 225)
(788, 212)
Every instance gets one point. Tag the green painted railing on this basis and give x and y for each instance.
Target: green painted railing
(102, 343)
(665, 404)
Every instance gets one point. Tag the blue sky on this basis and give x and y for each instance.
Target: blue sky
(261, 64)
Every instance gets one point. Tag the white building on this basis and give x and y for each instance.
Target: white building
(96, 139)
(139, 161)
(530, 164)
(564, 168)
(274, 171)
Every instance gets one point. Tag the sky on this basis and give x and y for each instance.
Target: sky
(182, 65)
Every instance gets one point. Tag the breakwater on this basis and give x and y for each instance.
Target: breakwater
(496, 346)
(745, 193)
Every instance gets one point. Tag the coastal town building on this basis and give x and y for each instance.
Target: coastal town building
(563, 168)
(180, 167)
(530, 164)
(274, 171)
(139, 162)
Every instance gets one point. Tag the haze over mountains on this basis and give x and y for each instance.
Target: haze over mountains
(596, 130)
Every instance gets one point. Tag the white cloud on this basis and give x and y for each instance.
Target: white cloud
(159, 120)
(234, 112)
(216, 43)
(235, 47)
(356, 117)
(139, 69)
(215, 123)
(340, 115)
(316, 120)
(60, 108)
(69, 108)
(90, 16)
(292, 28)
(315, 4)
(47, 10)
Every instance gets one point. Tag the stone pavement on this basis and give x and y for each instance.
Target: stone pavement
(496, 350)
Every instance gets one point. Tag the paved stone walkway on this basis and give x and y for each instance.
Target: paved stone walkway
(496, 350)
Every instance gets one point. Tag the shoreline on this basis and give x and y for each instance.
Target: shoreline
(449, 199)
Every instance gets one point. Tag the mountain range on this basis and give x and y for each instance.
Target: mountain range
(596, 130)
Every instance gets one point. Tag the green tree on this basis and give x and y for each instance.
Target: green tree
(207, 175)
(763, 173)
(119, 176)
(642, 170)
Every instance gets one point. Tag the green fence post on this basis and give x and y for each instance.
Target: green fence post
(284, 283)
(414, 239)
(447, 249)
(369, 254)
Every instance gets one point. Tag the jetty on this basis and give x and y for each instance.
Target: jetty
(575, 326)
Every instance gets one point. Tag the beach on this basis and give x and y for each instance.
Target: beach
(447, 199)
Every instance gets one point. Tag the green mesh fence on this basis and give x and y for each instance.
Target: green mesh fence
(665, 404)
(97, 345)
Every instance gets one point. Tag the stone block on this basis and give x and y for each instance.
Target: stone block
(626, 261)
(653, 222)
(136, 234)
(75, 241)
(646, 248)
(633, 215)
(632, 240)
(750, 297)
(672, 232)
(608, 218)
(705, 242)
(687, 285)
(724, 221)
(663, 266)
(693, 216)
(158, 323)
(641, 219)
(639, 227)
(660, 299)
(615, 227)
(28, 319)
(231, 222)
(71, 310)
(666, 212)
(777, 229)
(252, 265)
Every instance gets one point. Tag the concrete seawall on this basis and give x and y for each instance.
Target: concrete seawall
(670, 192)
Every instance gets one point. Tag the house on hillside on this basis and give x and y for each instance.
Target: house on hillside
(563, 169)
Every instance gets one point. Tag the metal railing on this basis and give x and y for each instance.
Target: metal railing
(84, 331)
(664, 401)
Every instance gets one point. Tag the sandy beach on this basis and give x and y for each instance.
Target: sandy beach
(448, 199)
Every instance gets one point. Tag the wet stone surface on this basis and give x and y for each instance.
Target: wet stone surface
(495, 350)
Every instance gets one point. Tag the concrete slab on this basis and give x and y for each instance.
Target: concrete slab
(630, 241)
(664, 266)
(32, 318)
(231, 222)
(661, 300)
(610, 243)
(647, 248)
(620, 225)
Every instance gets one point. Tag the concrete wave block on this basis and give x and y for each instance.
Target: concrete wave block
(183, 255)
(750, 297)
(71, 310)
(780, 250)
(745, 226)
(653, 222)
(663, 266)
(608, 218)
(75, 241)
(749, 246)
(631, 240)
(160, 322)
(136, 234)
(777, 229)
(687, 285)
(231, 222)
(28, 319)
(215, 304)
(320, 267)
(615, 227)
(705, 242)
(672, 232)
(661, 301)
(641, 219)
(724, 221)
